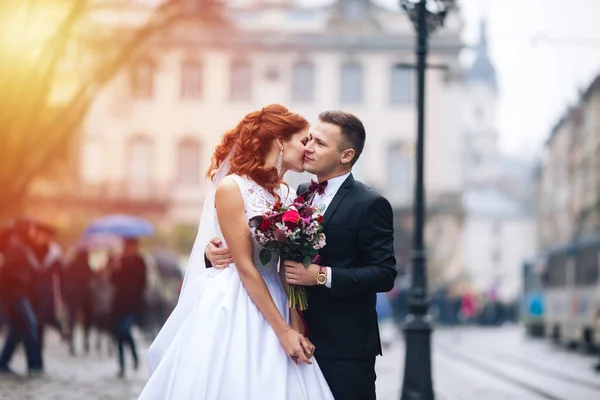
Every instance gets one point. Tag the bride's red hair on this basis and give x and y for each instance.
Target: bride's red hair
(252, 139)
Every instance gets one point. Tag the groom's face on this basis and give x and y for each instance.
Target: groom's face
(322, 153)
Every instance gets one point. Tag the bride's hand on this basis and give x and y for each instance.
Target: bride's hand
(296, 346)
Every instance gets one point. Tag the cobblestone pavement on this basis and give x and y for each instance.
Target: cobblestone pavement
(468, 364)
(81, 377)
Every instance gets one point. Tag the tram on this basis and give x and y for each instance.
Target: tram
(571, 293)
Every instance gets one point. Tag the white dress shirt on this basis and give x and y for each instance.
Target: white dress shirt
(333, 185)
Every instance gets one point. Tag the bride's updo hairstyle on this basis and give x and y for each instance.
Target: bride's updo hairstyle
(252, 139)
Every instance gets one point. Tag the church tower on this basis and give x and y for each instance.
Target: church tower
(481, 161)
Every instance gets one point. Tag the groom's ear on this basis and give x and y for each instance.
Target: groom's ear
(348, 156)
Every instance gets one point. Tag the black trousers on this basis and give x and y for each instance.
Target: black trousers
(349, 379)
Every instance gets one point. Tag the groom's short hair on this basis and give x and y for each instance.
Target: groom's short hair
(353, 130)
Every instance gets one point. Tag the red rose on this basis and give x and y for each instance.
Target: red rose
(291, 216)
(320, 219)
(265, 224)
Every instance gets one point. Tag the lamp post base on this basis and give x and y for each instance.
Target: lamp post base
(417, 383)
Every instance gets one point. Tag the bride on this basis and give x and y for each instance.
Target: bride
(232, 335)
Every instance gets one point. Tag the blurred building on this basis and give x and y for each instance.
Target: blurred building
(499, 230)
(151, 132)
(568, 175)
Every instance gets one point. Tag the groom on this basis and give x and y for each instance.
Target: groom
(357, 262)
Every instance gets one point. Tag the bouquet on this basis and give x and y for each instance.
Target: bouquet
(293, 232)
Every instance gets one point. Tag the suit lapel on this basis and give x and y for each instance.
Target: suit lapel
(337, 199)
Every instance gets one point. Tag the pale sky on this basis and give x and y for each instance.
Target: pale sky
(537, 79)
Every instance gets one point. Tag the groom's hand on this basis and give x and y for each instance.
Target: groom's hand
(297, 274)
(218, 257)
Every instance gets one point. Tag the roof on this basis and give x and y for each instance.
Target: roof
(482, 69)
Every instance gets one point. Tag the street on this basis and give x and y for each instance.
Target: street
(468, 363)
(495, 364)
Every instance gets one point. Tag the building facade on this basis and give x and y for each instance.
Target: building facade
(151, 132)
(499, 229)
(568, 175)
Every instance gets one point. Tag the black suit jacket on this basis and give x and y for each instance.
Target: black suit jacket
(359, 230)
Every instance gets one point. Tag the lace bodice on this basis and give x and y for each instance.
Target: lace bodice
(256, 202)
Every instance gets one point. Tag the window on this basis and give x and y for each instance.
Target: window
(139, 160)
(399, 172)
(241, 81)
(586, 271)
(142, 79)
(556, 274)
(188, 162)
(191, 79)
(91, 162)
(351, 84)
(401, 85)
(303, 82)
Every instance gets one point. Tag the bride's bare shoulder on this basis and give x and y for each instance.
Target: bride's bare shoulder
(228, 185)
(228, 192)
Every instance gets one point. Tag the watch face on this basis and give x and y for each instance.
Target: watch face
(321, 279)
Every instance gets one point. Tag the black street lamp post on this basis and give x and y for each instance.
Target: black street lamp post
(426, 15)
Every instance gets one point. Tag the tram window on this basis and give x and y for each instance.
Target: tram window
(556, 270)
(586, 272)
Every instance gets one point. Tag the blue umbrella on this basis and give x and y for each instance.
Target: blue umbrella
(99, 241)
(126, 226)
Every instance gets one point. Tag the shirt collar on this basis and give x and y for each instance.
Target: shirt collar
(335, 183)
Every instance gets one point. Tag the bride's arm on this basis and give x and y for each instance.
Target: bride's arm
(234, 225)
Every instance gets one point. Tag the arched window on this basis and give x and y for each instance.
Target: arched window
(351, 85)
(140, 151)
(401, 85)
(142, 78)
(241, 80)
(191, 79)
(188, 161)
(303, 81)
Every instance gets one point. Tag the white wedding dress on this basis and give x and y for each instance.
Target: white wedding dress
(217, 344)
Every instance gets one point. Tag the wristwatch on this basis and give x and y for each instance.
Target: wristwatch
(322, 276)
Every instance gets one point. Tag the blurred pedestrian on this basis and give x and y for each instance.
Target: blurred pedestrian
(468, 308)
(49, 268)
(130, 283)
(77, 295)
(17, 278)
(102, 294)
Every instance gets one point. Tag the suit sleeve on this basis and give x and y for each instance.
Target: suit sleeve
(377, 271)
(301, 189)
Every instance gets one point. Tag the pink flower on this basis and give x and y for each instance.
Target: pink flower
(280, 235)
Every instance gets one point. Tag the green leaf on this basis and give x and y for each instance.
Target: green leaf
(265, 256)
(307, 261)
